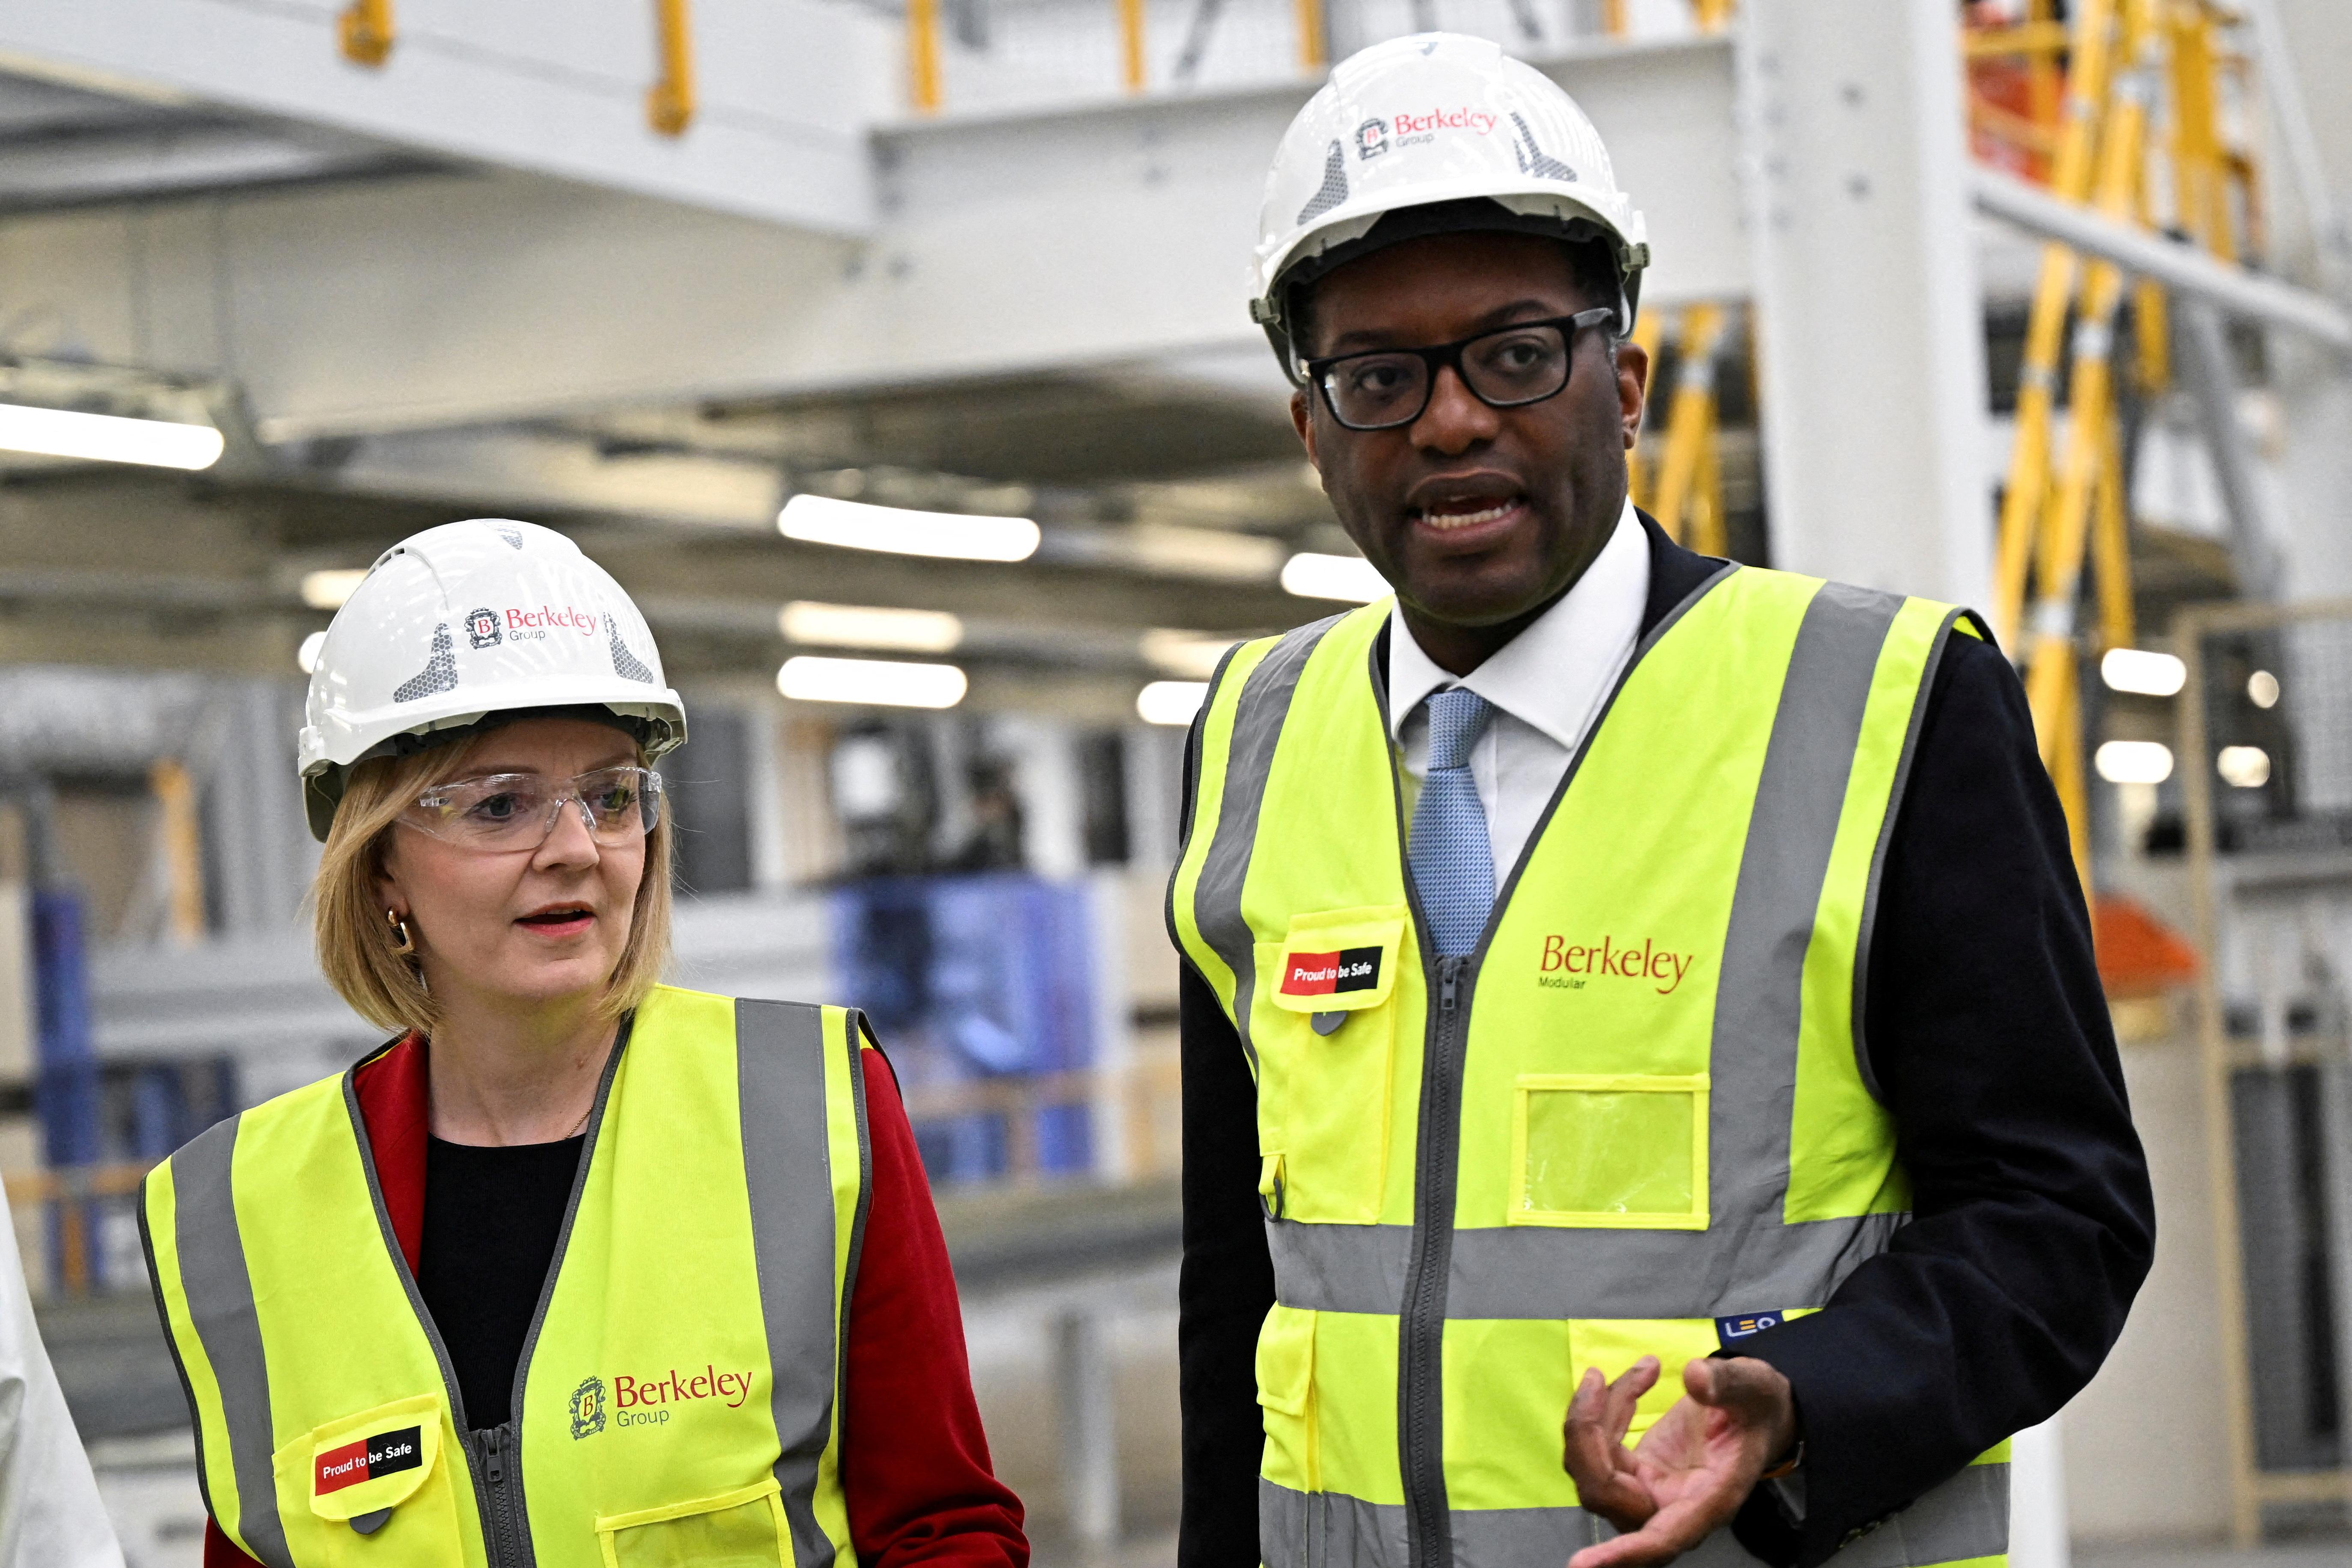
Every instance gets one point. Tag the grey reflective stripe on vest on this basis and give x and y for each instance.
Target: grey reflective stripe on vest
(1258, 717)
(1800, 797)
(1546, 1273)
(219, 1293)
(1964, 1517)
(787, 1163)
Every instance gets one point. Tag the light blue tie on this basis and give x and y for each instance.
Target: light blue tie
(1453, 863)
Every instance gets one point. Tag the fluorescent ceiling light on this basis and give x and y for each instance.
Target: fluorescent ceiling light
(2243, 767)
(1171, 701)
(2139, 670)
(307, 655)
(108, 438)
(327, 590)
(1216, 553)
(886, 683)
(868, 625)
(960, 536)
(1192, 655)
(2135, 762)
(2263, 689)
(1346, 577)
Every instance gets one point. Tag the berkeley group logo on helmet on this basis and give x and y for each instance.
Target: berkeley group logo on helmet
(1413, 130)
(482, 626)
(533, 626)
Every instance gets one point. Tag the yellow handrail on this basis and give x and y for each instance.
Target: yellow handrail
(1649, 330)
(1684, 506)
(2070, 178)
(1713, 14)
(1130, 45)
(365, 31)
(923, 55)
(669, 102)
(1314, 37)
(175, 796)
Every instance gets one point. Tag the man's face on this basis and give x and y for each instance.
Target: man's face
(1479, 517)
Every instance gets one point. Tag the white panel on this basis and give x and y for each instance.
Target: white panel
(1871, 353)
(547, 85)
(1118, 235)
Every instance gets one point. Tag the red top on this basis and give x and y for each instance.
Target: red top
(914, 1460)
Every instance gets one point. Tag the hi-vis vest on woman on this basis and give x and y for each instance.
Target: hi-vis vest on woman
(678, 1394)
(1635, 1120)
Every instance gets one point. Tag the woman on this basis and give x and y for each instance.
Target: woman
(580, 1269)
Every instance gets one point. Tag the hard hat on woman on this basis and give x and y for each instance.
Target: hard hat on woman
(470, 622)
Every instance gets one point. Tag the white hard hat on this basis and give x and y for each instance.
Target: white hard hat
(464, 622)
(1417, 122)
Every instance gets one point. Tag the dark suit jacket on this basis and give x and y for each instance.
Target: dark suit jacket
(1989, 1038)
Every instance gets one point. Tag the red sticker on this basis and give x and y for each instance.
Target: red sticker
(385, 1454)
(1322, 974)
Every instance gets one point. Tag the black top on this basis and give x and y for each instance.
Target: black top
(491, 1220)
(1990, 1039)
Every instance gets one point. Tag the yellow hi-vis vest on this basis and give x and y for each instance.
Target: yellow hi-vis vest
(678, 1394)
(1636, 1120)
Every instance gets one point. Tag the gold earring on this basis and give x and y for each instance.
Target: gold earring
(402, 942)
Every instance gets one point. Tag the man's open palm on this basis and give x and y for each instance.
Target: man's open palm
(1690, 1470)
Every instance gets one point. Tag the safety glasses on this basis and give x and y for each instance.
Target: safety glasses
(1510, 367)
(501, 812)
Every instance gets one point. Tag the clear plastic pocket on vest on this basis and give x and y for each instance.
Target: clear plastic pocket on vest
(1324, 1028)
(372, 1487)
(1608, 1151)
(741, 1529)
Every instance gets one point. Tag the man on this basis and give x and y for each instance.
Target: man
(1628, 999)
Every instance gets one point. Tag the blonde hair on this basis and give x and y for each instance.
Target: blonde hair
(355, 938)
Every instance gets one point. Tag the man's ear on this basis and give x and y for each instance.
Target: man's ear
(1302, 419)
(1632, 366)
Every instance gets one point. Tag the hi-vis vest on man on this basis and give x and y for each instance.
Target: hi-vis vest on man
(1635, 1120)
(679, 1395)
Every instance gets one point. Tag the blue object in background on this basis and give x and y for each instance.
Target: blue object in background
(67, 1093)
(969, 978)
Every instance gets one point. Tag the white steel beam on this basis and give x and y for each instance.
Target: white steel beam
(1114, 236)
(786, 88)
(1871, 352)
(2173, 263)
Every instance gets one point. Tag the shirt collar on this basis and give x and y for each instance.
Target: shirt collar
(1554, 674)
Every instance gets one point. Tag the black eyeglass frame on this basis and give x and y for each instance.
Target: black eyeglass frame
(1443, 356)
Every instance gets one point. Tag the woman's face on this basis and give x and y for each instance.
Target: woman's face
(527, 925)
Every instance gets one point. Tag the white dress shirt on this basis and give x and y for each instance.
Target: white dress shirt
(50, 1513)
(1548, 685)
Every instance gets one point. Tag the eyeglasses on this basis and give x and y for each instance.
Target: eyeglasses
(1507, 368)
(501, 812)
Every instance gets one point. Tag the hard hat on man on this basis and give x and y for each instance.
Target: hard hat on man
(1433, 133)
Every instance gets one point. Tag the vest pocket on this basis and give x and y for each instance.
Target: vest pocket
(741, 1529)
(372, 1487)
(1286, 1392)
(1326, 1049)
(1613, 1344)
(1608, 1151)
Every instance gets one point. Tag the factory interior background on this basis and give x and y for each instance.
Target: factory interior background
(2044, 306)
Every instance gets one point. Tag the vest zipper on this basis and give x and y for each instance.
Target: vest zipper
(500, 1486)
(493, 1456)
(1421, 1330)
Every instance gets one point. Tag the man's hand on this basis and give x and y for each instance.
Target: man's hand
(1691, 1471)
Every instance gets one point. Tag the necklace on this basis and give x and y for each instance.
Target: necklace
(581, 1125)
